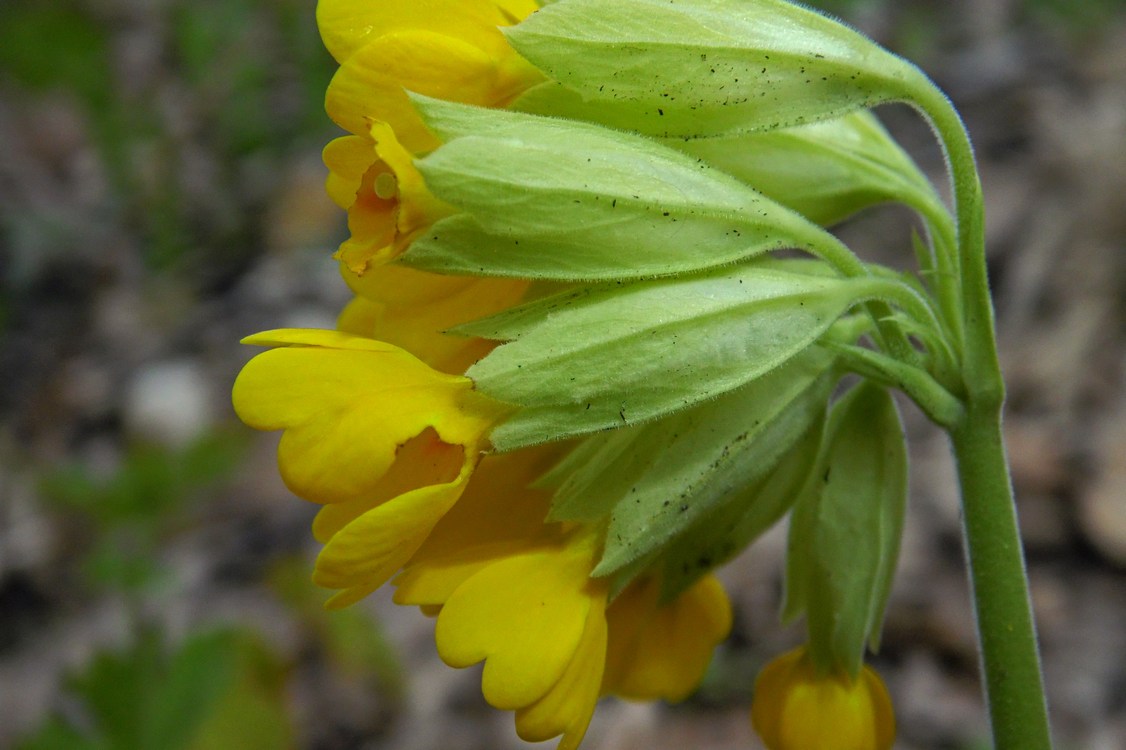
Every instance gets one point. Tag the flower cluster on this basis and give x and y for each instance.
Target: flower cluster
(380, 427)
(573, 379)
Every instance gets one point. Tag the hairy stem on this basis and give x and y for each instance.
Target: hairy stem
(1006, 632)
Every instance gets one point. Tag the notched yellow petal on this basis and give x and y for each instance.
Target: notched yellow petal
(422, 461)
(568, 707)
(347, 403)
(365, 553)
(524, 616)
(497, 517)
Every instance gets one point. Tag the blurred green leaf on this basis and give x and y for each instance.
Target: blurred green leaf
(53, 45)
(224, 689)
(219, 689)
(117, 688)
(151, 481)
(120, 563)
(56, 734)
(1081, 16)
(354, 641)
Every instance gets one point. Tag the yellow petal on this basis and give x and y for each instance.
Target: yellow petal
(347, 159)
(432, 583)
(516, 10)
(498, 516)
(420, 327)
(419, 462)
(398, 285)
(499, 505)
(418, 208)
(674, 644)
(626, 617)
(569, 705)
(359, 318)
(347, 25)
(882, 712)
(372, 84)
(423, 330)
(372, 222)
(524, 616)
(363, 555)
(354, 172)
(346, 403)
(414, 309)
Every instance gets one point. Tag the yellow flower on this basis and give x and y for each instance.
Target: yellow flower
(446, 49)
(413, 309)
(537, 620)
(795, 708)
(661, 650)
(516, 593)
(385, 441)
(374, 179)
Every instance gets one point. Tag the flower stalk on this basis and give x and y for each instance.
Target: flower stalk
(1013, 683)
(1006, 630)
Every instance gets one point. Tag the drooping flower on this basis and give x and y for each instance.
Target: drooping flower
(796, 707)
(374, 179)
(446, 49)
(386, 442)
(518, 594)
(383, 430)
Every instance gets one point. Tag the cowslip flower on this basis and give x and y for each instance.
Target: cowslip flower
(518, 595)
(388, 460)
(446, 49)
(384, 441)
(796, 707)
(635, 390)
(374, 179)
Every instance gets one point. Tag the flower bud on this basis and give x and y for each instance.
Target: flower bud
(797, 708)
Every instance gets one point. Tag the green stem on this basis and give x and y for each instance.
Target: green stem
(1014, 686)
(981, 369)
(1007, 634)
(834, 252)
(945, 279)
(936, 402)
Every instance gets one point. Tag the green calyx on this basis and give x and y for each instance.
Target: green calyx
(547, 198)
(612, 355)
(846, 528)
(700, 68)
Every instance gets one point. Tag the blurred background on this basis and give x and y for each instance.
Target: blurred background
(161, 197)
